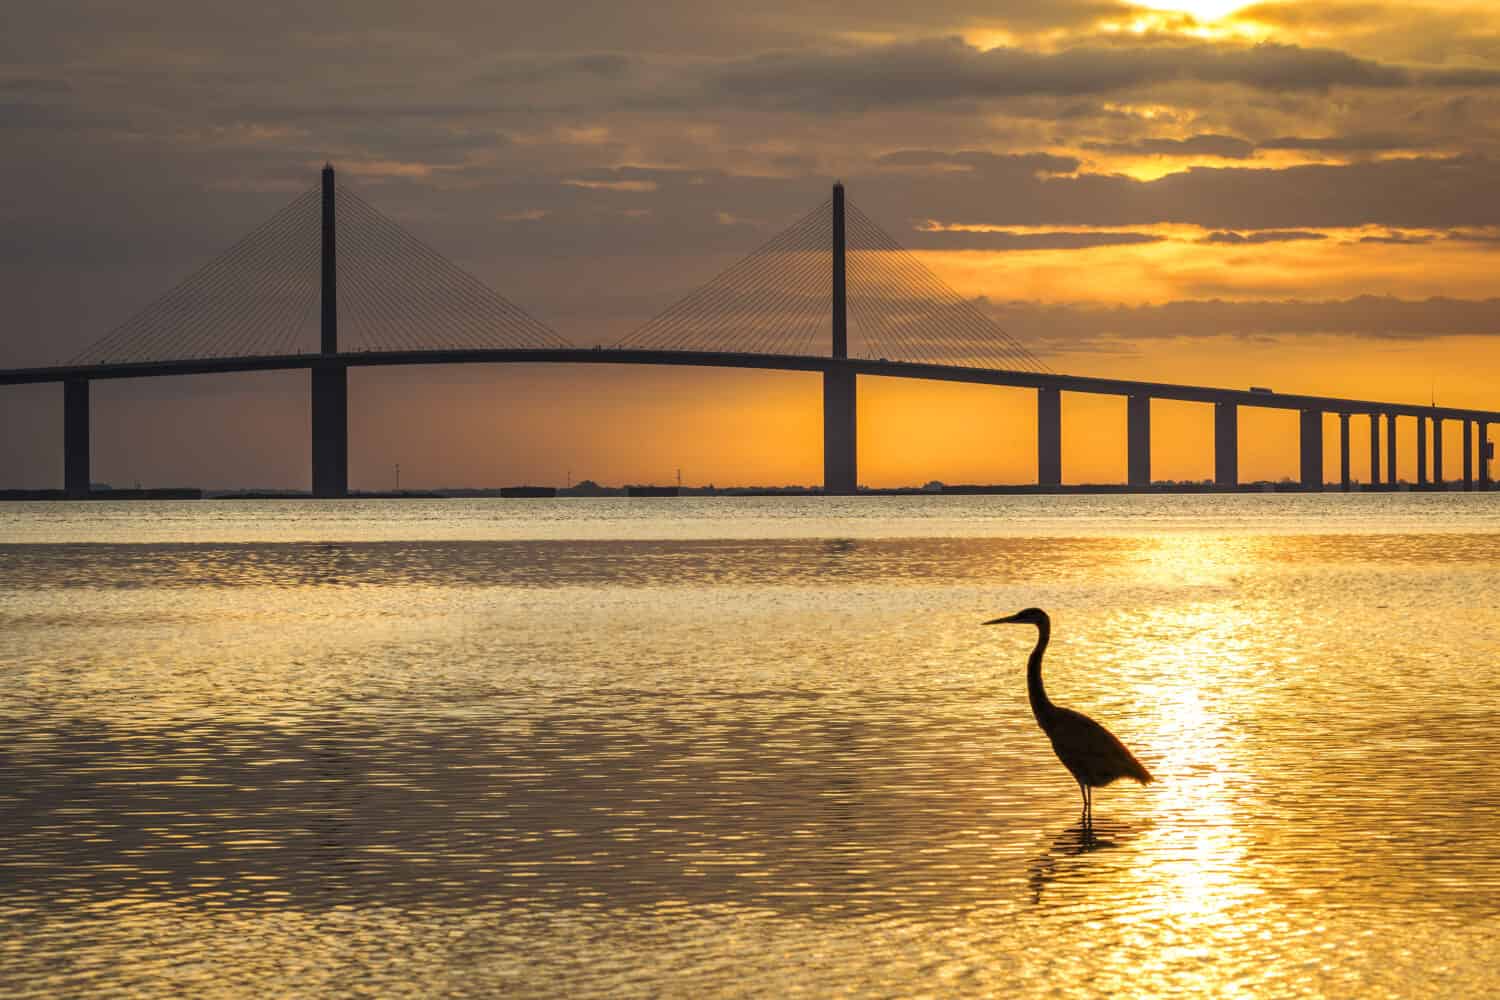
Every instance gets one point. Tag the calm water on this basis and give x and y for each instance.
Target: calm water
(747, 747)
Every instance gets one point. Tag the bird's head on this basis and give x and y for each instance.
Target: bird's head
(1030, 616)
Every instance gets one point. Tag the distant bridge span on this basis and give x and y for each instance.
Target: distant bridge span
(758, 281)
(764, 362)
(1049, 432)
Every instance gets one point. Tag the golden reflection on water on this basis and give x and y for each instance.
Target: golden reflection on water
(739, 765)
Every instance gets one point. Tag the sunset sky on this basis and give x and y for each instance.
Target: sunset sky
(1302, 195)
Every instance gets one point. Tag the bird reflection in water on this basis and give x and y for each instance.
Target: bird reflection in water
(1065, 859)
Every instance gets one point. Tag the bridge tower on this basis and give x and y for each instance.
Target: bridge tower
(840, 468)
(330, 377)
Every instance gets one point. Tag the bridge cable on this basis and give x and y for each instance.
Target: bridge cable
(173, 324)
(748, 289)
(755, 275)
(187, 320)
(887, 315)
(957, 323)
(186, 323)
(183, 322)
(378, 310)
(401, 329)
(954, 323)
(484, 317)
(381, 312)
(806, 304)
(472, 322)
(787, 304)
(896, 317)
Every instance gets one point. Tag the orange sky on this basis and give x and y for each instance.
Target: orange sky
(1296, 194)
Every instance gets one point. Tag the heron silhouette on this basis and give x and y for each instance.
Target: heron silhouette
(1090, 752)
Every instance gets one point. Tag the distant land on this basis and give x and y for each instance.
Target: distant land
(588, 488)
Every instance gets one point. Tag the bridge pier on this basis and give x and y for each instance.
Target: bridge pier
(76, 432)
(1048, 437)
(840, 466)
(330, 431)
(1390, 448)
(1437, 452)
(1346, 482)
(1421, 451)
(1374, 449)
(1468, 455)
(1226, 445)
(1311, 439)
(1484, 454)
(1138, 440)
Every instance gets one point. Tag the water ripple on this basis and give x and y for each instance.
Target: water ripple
(790, 767)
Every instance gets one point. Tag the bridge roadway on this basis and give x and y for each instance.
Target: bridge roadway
(330, 408)
(769, 362)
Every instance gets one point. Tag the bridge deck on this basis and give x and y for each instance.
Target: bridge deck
(773, 362)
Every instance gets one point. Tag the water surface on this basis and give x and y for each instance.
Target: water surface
(747, 747)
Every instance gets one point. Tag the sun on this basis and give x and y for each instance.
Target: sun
(1201, 10)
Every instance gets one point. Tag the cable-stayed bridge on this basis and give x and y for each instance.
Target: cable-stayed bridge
(331, 283)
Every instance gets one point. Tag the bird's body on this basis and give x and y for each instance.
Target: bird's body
(1090, 752)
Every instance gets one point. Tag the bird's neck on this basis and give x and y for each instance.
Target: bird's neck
(1041, 707)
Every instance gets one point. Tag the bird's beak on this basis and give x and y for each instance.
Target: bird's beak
(1001, 621)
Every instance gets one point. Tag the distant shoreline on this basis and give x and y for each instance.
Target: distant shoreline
(544, 492)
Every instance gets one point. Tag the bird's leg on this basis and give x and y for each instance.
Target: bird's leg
(1084, 792)
(1088, 807)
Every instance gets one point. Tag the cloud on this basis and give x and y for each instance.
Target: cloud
(1398, 239)
(949, 69)
(1319, 15)
(1225, 146)
(977, 161)
(35, 86)
(1414, 193)
(632, 187)
(535, 71)
(999, 239)
(1367, 316)
(1467, 77)
(1267, 236)
(1356, 143)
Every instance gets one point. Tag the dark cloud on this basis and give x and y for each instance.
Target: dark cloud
(1472, 77)
(1225, 146)
(949, 69)
(1482, 238)
(1398, 239)
(1266, 236)
(1414, 193)
(532, 71)
(989, 163)
(1356, 143)
(35, 86)
(1003, 240)
(24, 114)
(1366, 316)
